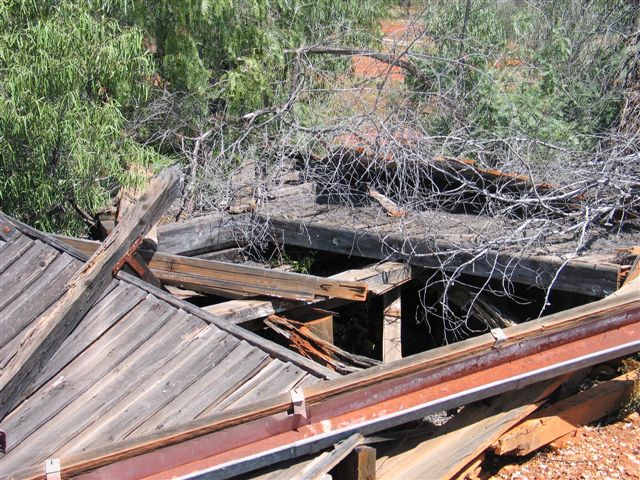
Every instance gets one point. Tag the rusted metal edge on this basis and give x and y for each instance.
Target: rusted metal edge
(275, 436)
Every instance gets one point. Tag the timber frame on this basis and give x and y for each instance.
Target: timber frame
(379, 397)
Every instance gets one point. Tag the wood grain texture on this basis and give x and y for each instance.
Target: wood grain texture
(576, 276)
(196, 236)
(76, 408)
(107, 352)
(378, 278)
(13, 250)
(39, 295)
(565, 416)
(83, 291)
(462, 438)
(217, 277)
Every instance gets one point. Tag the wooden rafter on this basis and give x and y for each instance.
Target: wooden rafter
(84, 289)
(228, 279)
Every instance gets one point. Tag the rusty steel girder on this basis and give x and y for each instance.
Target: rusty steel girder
(235, 447)
(375, 399)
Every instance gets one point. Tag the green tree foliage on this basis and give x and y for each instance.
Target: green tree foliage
(72, 74)
(235, 50)
(543, 69)
(68, 76)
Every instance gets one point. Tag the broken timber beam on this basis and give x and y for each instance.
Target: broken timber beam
(376, 399)
(465, 436)
(84, 289)
(358, 465)
(378, 278)
(574, 276)
(222, 278)
(565, 416)
(196, 236)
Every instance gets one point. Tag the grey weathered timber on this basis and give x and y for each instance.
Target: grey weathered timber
(114, 305)
(277, 351)
(107, 353)
(87, 406)
(20, 275)
(13, 250)
(35, 299)
(200, 235)
(223, 278)
(242, 362)
(324, 462)
(576, 276)
(378, 278)
(83, 291)
(283, 379)
(180, 368)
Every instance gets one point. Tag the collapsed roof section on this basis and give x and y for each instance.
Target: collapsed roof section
(129, 361)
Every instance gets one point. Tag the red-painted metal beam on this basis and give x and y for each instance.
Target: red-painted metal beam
(383, 404)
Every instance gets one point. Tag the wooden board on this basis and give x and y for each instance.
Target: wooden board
(107, 352)
(35, 299)
(196, 236)
(565, 416)
(116, 302)
(378, 278)
(20, 275)
(52, 330)
(575, 276)
(13, 250)
(463, 438)
(99, 409)
(224, 278)
(70, 398)
(241, 362)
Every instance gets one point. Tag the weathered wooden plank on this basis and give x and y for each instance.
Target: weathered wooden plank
(35, 300)
(11, 348)
(317, 468)
(20, 275)
(270, 373)
(13, 250)
(88, 405)
(204, 348)
(211, 388)
(120, 401)
(8, 231)
(83, 291)
(196, 236)
(565, 416)
(358, 465)
(379, 279)
(240, 365)
(540, 271)
(277, 351)
(283, 378)
(214, 277)
(462, 438)
(106, 353)
(114, 304)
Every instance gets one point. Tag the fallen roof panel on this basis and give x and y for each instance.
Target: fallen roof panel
(378, 398)
(139, 360)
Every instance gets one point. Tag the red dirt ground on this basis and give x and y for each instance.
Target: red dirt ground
(592, 453)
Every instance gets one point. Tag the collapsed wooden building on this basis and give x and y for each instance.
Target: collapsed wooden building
(109, 372)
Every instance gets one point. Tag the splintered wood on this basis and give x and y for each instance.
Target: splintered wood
(83, 290)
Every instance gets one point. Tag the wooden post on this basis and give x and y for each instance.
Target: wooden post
(84, 289)
(358, 465)
(391, 328)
